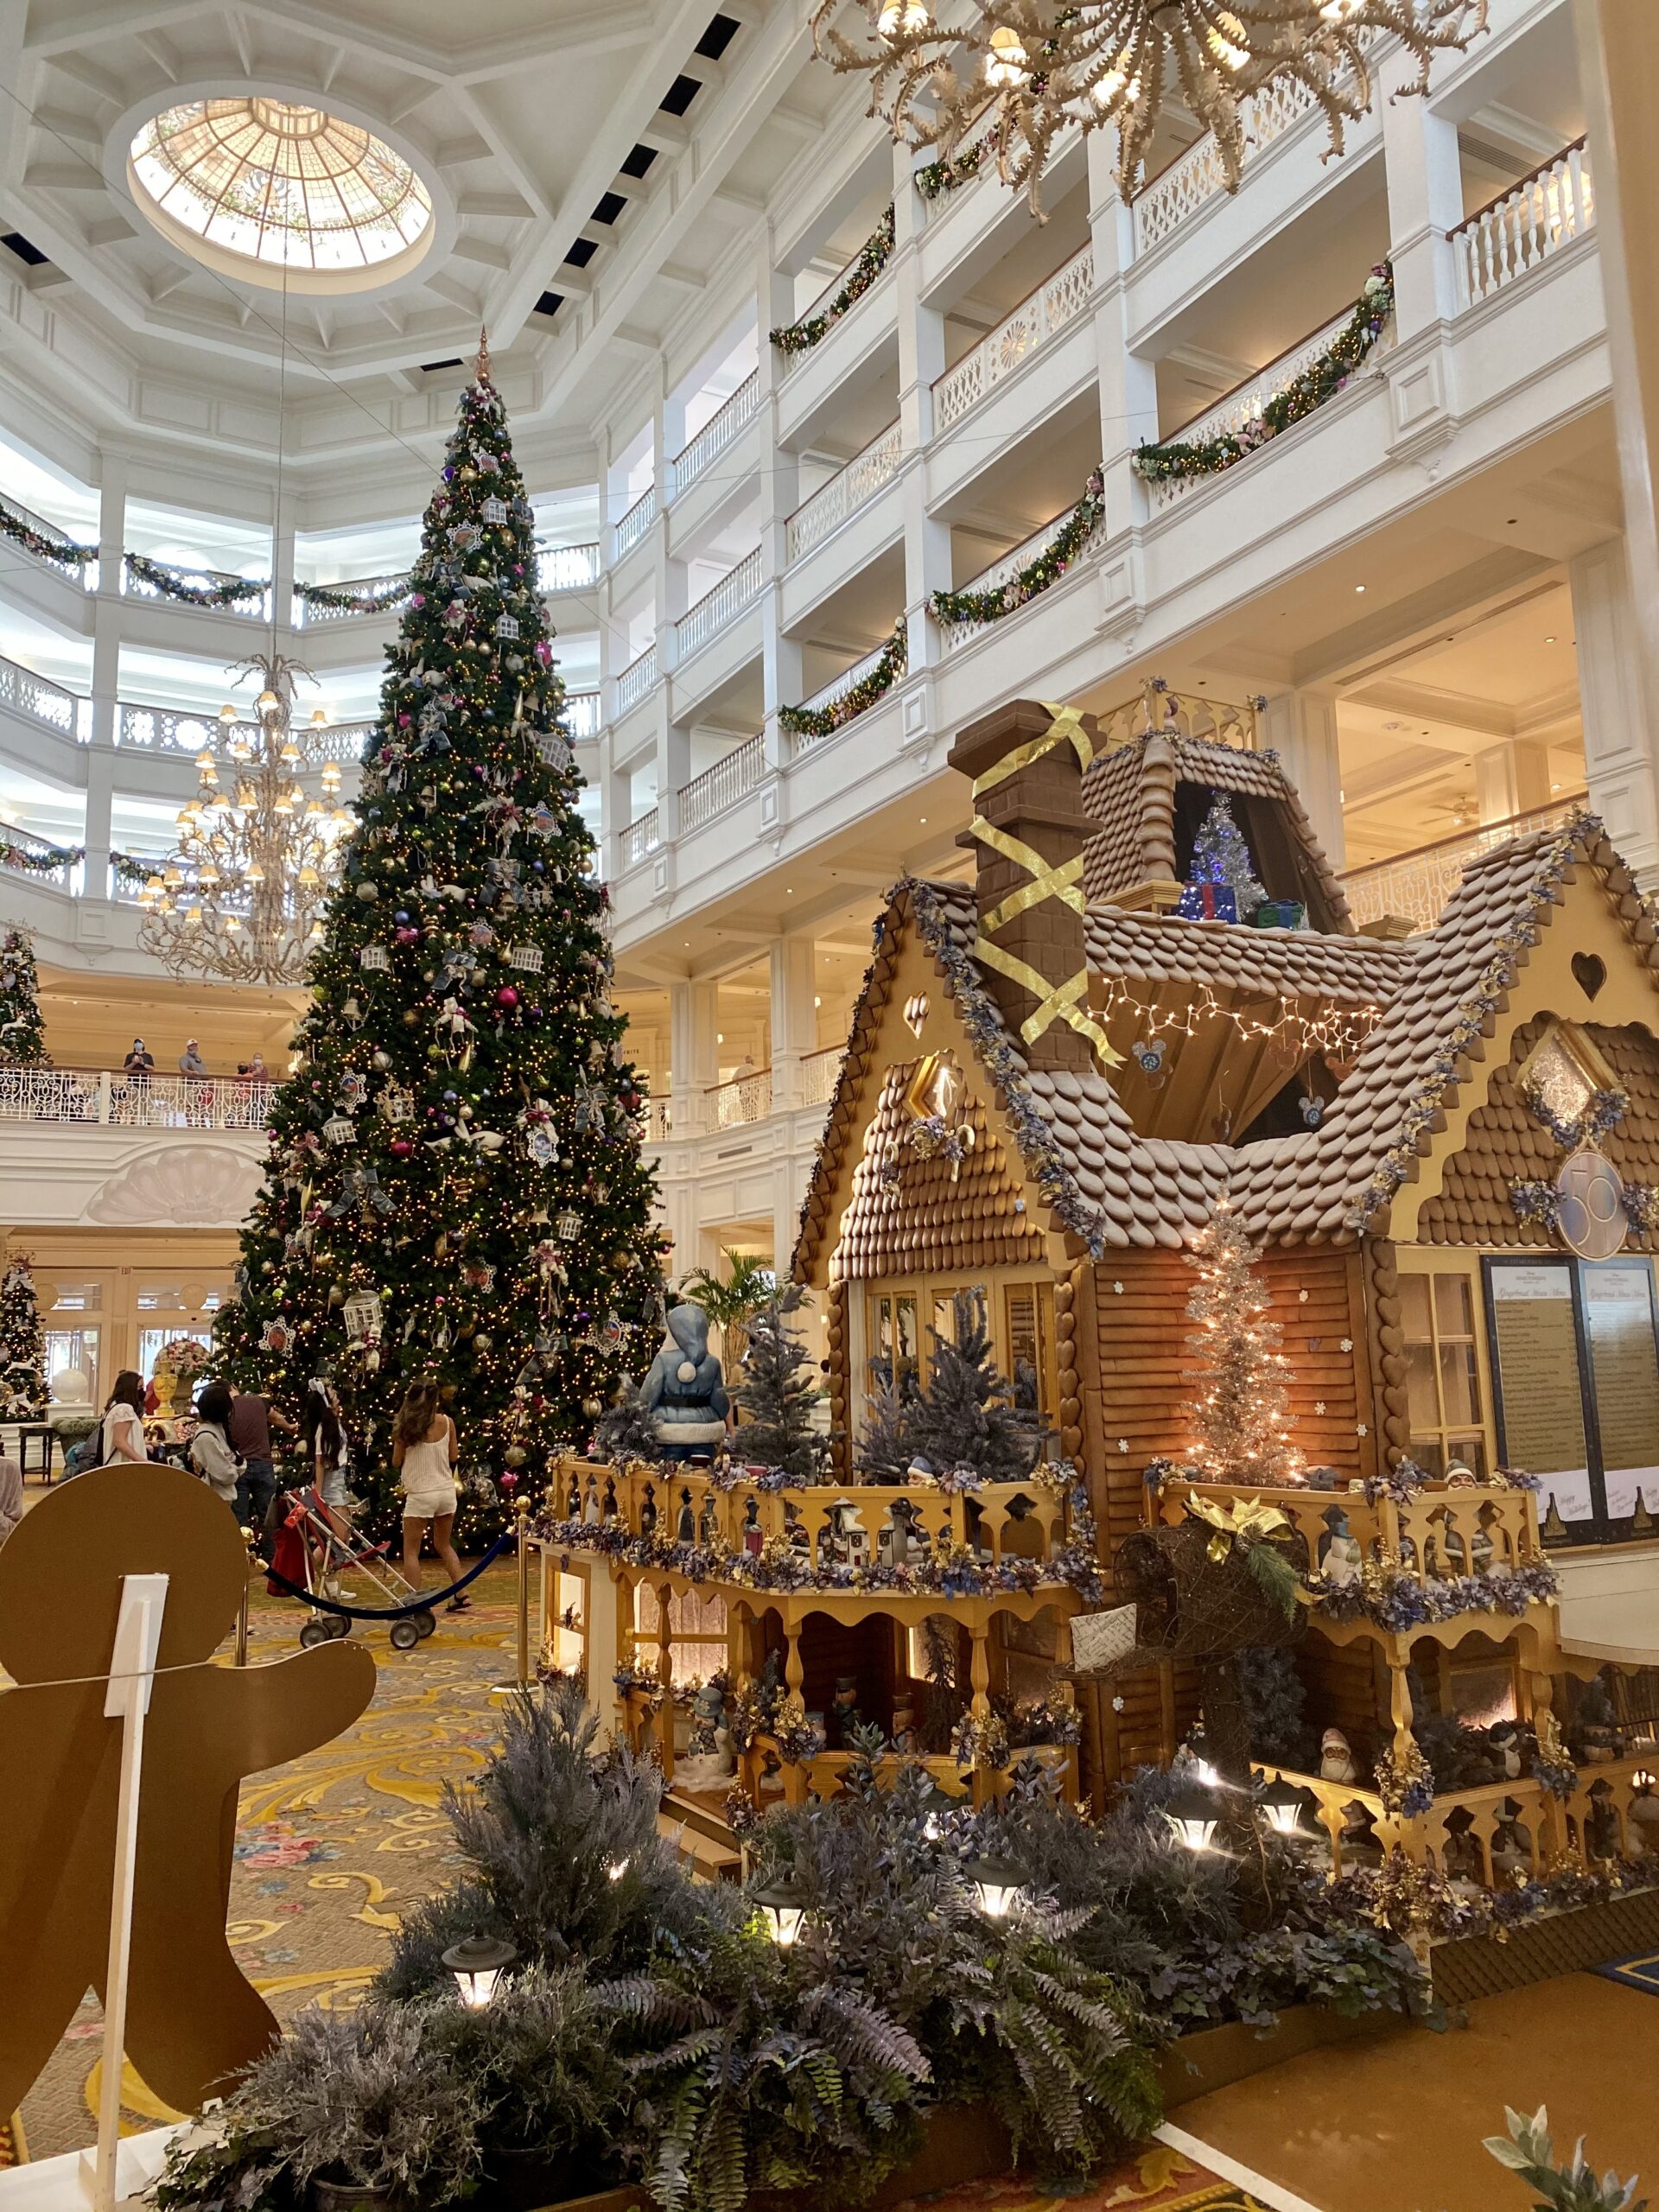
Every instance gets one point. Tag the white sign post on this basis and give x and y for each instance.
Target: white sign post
(133, 1677)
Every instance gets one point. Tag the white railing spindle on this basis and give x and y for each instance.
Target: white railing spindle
(1525, 225)
(737, 589)
(847, 490)
(717, 433)
(1058, 300)
(722, 786)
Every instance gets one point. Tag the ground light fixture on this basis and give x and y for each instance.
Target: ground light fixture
(782, 1905)
(1191, 1813)
(1281, 1808)
(1000, 1883)
(478, 1963)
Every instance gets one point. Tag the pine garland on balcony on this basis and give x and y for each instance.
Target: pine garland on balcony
(1048, 568)
(1306, 392)
(873, 258)
(46, 863)
(336, 599)
(821, 722)
(127, 867)
(37, 542)
(936, 178)
(221, 591)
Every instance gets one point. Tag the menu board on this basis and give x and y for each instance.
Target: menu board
(1537, 1353)
(1624, 1366)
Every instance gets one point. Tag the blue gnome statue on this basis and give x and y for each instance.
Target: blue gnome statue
(684, 1393)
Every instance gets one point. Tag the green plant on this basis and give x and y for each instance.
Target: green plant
(542, 2071)
(731, 1300)
(1569, 2186)
(777, 1399)
(965, 1416)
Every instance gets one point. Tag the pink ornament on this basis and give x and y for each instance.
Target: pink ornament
(401, 1147)
(507, 996)
(509, 1481)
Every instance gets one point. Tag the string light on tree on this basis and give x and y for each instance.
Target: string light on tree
(1238, 1416)
(23, 1032)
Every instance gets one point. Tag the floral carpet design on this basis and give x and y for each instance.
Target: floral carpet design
(331, 1850)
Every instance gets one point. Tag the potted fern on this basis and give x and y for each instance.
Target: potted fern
(732, 1300)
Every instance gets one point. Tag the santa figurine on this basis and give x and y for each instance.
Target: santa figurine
(1336, 1757)
(684, 1391)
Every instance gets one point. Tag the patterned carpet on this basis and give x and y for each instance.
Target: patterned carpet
(1640, 1971)
(331, 1849)
(1157, 2179)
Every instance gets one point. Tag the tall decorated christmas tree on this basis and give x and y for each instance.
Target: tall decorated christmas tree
(455, 1186)
(23, 1032)
(22, 1344)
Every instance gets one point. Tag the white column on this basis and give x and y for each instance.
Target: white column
(1301, 727)
(921, 363)
(1128, 383)
(1425, 185)
(780, 491)
(1616, 589)
(1618, 745)
(1511, 778)
(673, 749)
(794, 1022)
(694, 1061)
(106, 670)
(282, 574)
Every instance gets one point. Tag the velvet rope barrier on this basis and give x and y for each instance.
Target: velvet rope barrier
(423, 1603)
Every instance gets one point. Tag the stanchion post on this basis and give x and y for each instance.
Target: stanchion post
(242, 1609)
(524, 1593)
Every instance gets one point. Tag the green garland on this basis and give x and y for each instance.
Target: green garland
(1049, 566)
(820, 721)
(337, 600)
(873, 258)
(226, 591)
(1320, 380)
(19, 858)
(43, 547)
(127, 869)
(937, 178)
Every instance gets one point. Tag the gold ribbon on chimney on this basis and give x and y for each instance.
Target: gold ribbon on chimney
(1066, 1002)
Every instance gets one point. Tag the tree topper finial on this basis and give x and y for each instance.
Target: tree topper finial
(481, 364)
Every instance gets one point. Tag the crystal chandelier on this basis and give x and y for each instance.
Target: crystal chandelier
(1029, 68)
(243, 896)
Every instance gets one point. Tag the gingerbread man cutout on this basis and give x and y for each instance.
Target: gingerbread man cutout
(192, 2018)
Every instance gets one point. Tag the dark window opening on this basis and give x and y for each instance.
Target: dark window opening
(638, 161)
(1297, 1107)
(680, 95)
(23, 249)
(718, 36)
(610, 207)
(550, 303)
(581, 252)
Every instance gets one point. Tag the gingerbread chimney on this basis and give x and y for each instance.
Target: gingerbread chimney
(1026, 762)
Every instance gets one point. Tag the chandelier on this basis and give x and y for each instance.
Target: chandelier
(243, 896)
(1030, 68)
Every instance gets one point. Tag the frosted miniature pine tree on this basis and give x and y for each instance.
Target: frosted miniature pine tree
(966, 1416)
(1238, 1417)
(1220, 855)
(777, 1396)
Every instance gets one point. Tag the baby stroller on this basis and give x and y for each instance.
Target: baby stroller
(308, 1551)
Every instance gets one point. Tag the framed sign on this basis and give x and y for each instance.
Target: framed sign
(1575, 1369)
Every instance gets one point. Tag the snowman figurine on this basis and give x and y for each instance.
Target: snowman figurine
(684, 1391)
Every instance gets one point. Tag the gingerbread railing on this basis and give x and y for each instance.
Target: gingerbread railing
(1435, 1535)
(824, 1774)
(870, 1524)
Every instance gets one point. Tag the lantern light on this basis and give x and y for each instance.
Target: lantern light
(1281, 1808)
(618, 1868)
(478, 1964)
(227, 714)
(1006, 65)
(1001, 1884)
(782, 1905)
(1191, 1814)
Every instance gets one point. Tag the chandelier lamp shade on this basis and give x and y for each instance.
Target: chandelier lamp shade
(241, 897)
(1017, 73)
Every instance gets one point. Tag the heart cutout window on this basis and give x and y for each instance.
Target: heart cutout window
(1590, 972)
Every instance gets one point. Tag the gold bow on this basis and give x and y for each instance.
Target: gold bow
(1064, 1002)
(1245, 1517)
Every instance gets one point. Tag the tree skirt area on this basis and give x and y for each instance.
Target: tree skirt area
(331, 1850)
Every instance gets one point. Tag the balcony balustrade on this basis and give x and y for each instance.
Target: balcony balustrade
(722, 786)
(311, 614)
(84, 573)
(1156, 711)
(1415, 885)
(113, 1101)
(658, 1125)
(583, 714)
(636, 680)
(250, 604)
(1198, 174)
(847, 490)
(820, 1071)
(22, 853)
(738, 589)
(1003, 571)
(637, 521)
(567, 568)
(1056, 302)
(639, 839)
(1525, 227)
(826, 694)
(717, 433)
(40, 701)
(1236, 410)
(745, 1098)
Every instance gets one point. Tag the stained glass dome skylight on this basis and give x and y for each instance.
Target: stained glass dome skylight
(259, 187)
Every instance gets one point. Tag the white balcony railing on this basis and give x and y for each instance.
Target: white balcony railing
(1056, 302)
(567, 568)
(115, 1100)
(637, 521)
(837, 688)
(658, 1127)
(638, 840)
(19, 848)
(738, 589)
(39, 701)
(819, 1072)
(636, 680)
(1416, 885)
(717, 433)
(1003, 571)
(250, 604)
(745, 1098)
(1526, 224)
(723, 784)
(844, 494)
(311, 614)
(1196, 176)
(582, 714)
(1236, 410)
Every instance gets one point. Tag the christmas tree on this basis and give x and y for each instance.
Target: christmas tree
(455, 1187)
(1238, 1415)
(778, 1398)
(965, 1417)
(22, 1345)
(1221, 862)
(22, 1033)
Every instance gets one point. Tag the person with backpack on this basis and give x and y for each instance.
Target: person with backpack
(121, 1437)
(211, 1452)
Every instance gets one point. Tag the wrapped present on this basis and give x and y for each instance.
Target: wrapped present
(1280, 915)
(1209, 902)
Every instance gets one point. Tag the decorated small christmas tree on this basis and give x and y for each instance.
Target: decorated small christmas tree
(22, 1344)
(23, 1032)
(777, 1396)
(965, 1417)
(1222, 883)
(1275, 1706)
(1238, 1417)
(456, 1187)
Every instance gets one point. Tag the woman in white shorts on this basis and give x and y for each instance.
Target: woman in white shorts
(423, 1451)
(327, 1453)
